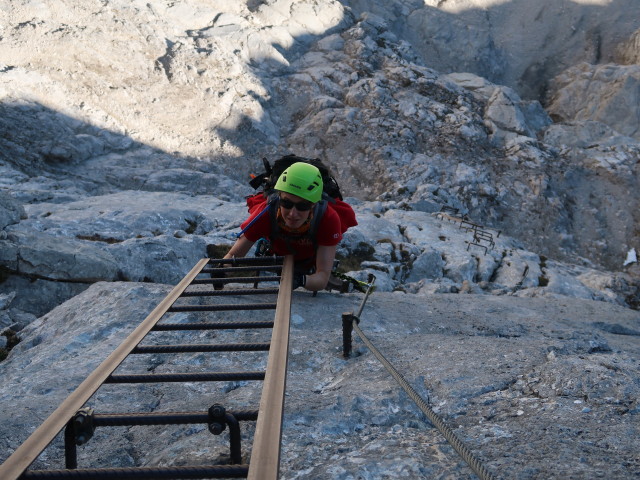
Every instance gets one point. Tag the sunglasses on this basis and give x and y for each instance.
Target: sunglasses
(300, 206)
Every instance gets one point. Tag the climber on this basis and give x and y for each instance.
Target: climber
(295, 219)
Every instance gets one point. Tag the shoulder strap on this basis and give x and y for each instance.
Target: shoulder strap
(273, 215)
(318, 213)
(269, 206)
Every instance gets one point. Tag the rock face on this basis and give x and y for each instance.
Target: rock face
(607, 94)
(405, 114)
(533, 387)
(628, 53)
(217, 87)
(516, 43)
(490, 150)
(159, 236)
(11, 211)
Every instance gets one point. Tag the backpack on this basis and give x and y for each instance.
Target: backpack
(268, 179)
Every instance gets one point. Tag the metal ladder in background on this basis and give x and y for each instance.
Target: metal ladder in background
(79, 420)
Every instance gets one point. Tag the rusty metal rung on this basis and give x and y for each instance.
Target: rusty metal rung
(255, 268)
(477, 245)
(273, 260)
(220, 281)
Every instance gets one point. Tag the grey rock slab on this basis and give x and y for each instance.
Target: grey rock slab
(11, 210)
(518, 268)
(428, 264)
(38, 296)
(6, 299)
(130, 235)
(162, 259)
(54, 258)
(513, 377)
(628, 53)
(127, 214)
(585, 134)
(608, 94)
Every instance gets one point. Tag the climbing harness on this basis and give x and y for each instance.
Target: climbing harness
(263, 248)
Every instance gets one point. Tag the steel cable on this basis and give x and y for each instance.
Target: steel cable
(433, 417)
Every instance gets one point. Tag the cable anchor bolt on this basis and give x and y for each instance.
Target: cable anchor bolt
(217, 420)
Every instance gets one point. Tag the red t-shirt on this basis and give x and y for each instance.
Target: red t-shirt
(328, 233)
(337, 218)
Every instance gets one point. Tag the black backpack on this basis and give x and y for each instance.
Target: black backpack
(268, 179)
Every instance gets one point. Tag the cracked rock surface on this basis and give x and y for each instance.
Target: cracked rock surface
(533, 387)
(490, 150)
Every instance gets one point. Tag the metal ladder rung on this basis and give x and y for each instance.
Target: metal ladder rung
(238, 291)
(270, 260)
(218, 308)
(164, 327)
(186, 348)
(203, 471)
(256, 268)
(169, 418)
(218, 281)
(185, 377)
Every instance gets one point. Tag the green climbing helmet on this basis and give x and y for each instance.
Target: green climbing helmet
(301, 179)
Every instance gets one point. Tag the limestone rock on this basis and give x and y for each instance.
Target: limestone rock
(512, 376)
(49, 294)
(350, 87)
(161, 259)
(11, 211)
(628, 53)
(52, 258)
(586, 134)
(603, 93)
(129, 129)
(505, 112)
(429, 264)
(518, 44)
